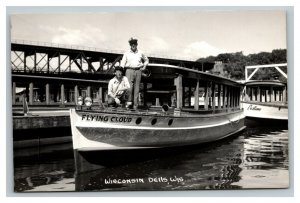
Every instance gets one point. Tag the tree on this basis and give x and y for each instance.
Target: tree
(234, 63)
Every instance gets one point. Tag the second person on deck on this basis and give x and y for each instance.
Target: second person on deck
(134, 62)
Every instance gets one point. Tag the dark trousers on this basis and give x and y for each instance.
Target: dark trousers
(123, 99)
(134, 78)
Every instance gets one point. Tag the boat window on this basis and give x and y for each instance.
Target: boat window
(265, 94)
(153, 122)
(138, 120)
(170, 122)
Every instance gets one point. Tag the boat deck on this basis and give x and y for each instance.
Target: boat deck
(158, 111)
(270, 104)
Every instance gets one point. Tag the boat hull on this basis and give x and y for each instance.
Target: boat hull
(96, 131)
(265, 110)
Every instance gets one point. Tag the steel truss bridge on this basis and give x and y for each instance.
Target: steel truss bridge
(51, 74)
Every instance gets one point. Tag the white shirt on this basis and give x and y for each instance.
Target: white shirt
(114, 85)
(133, 59)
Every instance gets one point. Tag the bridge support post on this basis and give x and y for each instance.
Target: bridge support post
(62, 94)
(35, 62)
(25, 64)
(31, 93)
(88, 91)
(76, 94)
(47, 94)
(196, 96)
(100, 95)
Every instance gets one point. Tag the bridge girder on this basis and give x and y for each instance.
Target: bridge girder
(57, 60)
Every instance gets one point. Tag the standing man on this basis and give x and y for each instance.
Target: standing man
(117, 88)
(134, 61)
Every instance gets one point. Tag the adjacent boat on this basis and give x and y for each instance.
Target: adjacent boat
(265, 99)
(166, 117)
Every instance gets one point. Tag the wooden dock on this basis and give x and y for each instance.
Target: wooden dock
(37, 119)
(41, 127)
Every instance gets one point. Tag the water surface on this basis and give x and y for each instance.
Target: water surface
(255, 158)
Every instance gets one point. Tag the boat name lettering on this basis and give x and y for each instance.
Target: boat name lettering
(252, 107)
(115, 119)
(91, 117)
(121, 119)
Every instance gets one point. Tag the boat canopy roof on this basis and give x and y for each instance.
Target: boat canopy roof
(165, 70)
(265, 83)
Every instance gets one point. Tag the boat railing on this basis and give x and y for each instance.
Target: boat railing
(163, 110)
(265, 94)
(212, 111)
(267, 91)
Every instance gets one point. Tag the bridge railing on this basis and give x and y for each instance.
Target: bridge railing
(87, 48)
(56, 45)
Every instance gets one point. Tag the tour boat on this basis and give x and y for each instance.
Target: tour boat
(165, 117)
(265, 99)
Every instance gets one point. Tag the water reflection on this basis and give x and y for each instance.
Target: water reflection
(48, 168)
(256, 158)
(210, 166)
(265, 163)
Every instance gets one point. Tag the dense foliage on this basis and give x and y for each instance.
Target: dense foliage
(234, 64)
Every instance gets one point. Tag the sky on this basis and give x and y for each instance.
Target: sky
(180, 34)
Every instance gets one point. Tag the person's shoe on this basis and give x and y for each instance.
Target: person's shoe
(128, 105)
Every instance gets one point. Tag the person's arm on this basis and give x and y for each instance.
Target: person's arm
(110, 89)
(146, 61)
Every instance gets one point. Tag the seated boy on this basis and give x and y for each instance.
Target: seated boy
(117, 88)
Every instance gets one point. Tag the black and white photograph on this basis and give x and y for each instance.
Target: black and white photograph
(150, 100)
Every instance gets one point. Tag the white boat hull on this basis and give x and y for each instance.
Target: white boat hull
(96, 131)
(265, 110)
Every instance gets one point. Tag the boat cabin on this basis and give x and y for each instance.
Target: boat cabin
(188, 90)
(265, 91)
